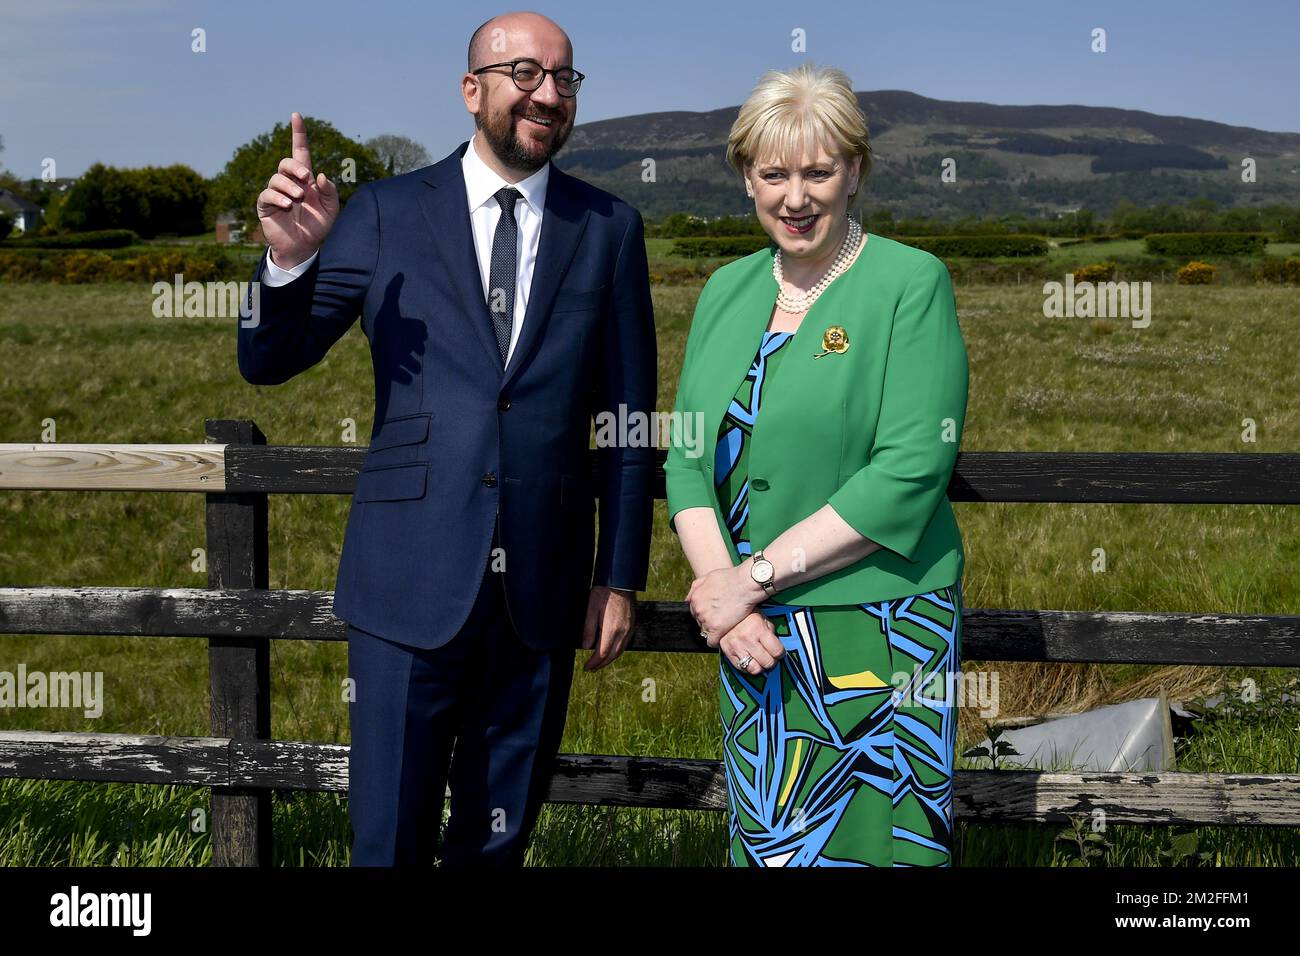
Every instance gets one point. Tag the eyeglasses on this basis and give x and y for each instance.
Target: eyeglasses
(529, 75)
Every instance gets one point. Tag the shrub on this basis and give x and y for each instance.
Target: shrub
(704, 247)
(86, 267)
(99, 239)
(1096, 272)
(1207, 243)
(210, 264)
(1196, 273)
(978, 247)
(1279, 270)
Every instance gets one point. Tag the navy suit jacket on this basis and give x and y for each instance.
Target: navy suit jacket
(459, 442)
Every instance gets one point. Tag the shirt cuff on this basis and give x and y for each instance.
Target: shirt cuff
(276, 276)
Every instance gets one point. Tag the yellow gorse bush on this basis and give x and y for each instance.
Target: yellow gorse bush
(1196, 273)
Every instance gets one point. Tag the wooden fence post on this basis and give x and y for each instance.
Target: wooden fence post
(239, 669)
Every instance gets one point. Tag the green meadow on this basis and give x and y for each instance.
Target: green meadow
(94, 360)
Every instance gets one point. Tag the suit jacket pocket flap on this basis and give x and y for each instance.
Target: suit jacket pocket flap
(392, 484)
(577, 301)
(406, 430)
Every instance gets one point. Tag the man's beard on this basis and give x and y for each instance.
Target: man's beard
(504, 141)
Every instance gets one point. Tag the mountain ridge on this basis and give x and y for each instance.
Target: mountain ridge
(1029, 159)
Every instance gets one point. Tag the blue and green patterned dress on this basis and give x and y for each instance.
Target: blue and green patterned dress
(842, 754)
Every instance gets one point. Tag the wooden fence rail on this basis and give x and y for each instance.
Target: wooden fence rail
(238, 616)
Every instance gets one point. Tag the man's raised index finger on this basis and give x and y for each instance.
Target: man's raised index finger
(301, 153)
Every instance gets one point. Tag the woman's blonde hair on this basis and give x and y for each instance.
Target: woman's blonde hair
(791, 112)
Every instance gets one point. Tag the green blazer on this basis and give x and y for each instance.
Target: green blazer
(873, 430)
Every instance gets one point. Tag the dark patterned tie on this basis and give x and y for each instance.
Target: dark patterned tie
(505, 263)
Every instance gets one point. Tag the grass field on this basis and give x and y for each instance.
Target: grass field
(93, 359)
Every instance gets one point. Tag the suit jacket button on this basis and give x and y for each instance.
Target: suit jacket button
(758, 484)
(503, 403)
(490, 479)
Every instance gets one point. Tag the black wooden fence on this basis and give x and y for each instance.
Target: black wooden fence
(239, 616)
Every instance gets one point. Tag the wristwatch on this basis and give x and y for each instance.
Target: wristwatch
(762, 572)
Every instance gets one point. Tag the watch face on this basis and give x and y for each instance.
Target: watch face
(762, 571)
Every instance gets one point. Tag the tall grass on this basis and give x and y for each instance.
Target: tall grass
(95, 361)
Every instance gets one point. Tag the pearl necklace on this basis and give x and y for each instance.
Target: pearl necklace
(802, 302)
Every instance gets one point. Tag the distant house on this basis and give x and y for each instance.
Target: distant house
(26, 215)
(231, 228)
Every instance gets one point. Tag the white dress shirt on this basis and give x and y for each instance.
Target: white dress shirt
(481, 185)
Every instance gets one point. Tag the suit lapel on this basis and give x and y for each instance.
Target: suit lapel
(563, 224)
(447, 213)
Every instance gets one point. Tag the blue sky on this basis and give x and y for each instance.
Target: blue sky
(115, 81)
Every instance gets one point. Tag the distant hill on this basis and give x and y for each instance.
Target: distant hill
(1036, 160)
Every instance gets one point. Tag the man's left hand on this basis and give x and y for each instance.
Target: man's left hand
(611, 615)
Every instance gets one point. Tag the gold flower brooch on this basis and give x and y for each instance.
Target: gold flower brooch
(834, 339)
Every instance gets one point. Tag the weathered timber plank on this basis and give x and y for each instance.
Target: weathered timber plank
(988, 635)
(140, 758)
(1079, 477)
(593, 779)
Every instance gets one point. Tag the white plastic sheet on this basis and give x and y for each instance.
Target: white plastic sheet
(1130, 737)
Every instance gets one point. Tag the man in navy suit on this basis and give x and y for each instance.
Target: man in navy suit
(506, 304)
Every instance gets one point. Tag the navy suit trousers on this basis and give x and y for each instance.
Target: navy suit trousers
(483, 713)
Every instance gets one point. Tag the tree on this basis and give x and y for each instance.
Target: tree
(149, 201)
(1085, 221)
(1123, 215)
(345, 161)
(398, 154)
(104, 198)
(177, 196)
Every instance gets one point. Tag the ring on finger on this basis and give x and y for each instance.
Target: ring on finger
(745, 662)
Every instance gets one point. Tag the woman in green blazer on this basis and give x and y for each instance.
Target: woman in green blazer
(827, 558)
